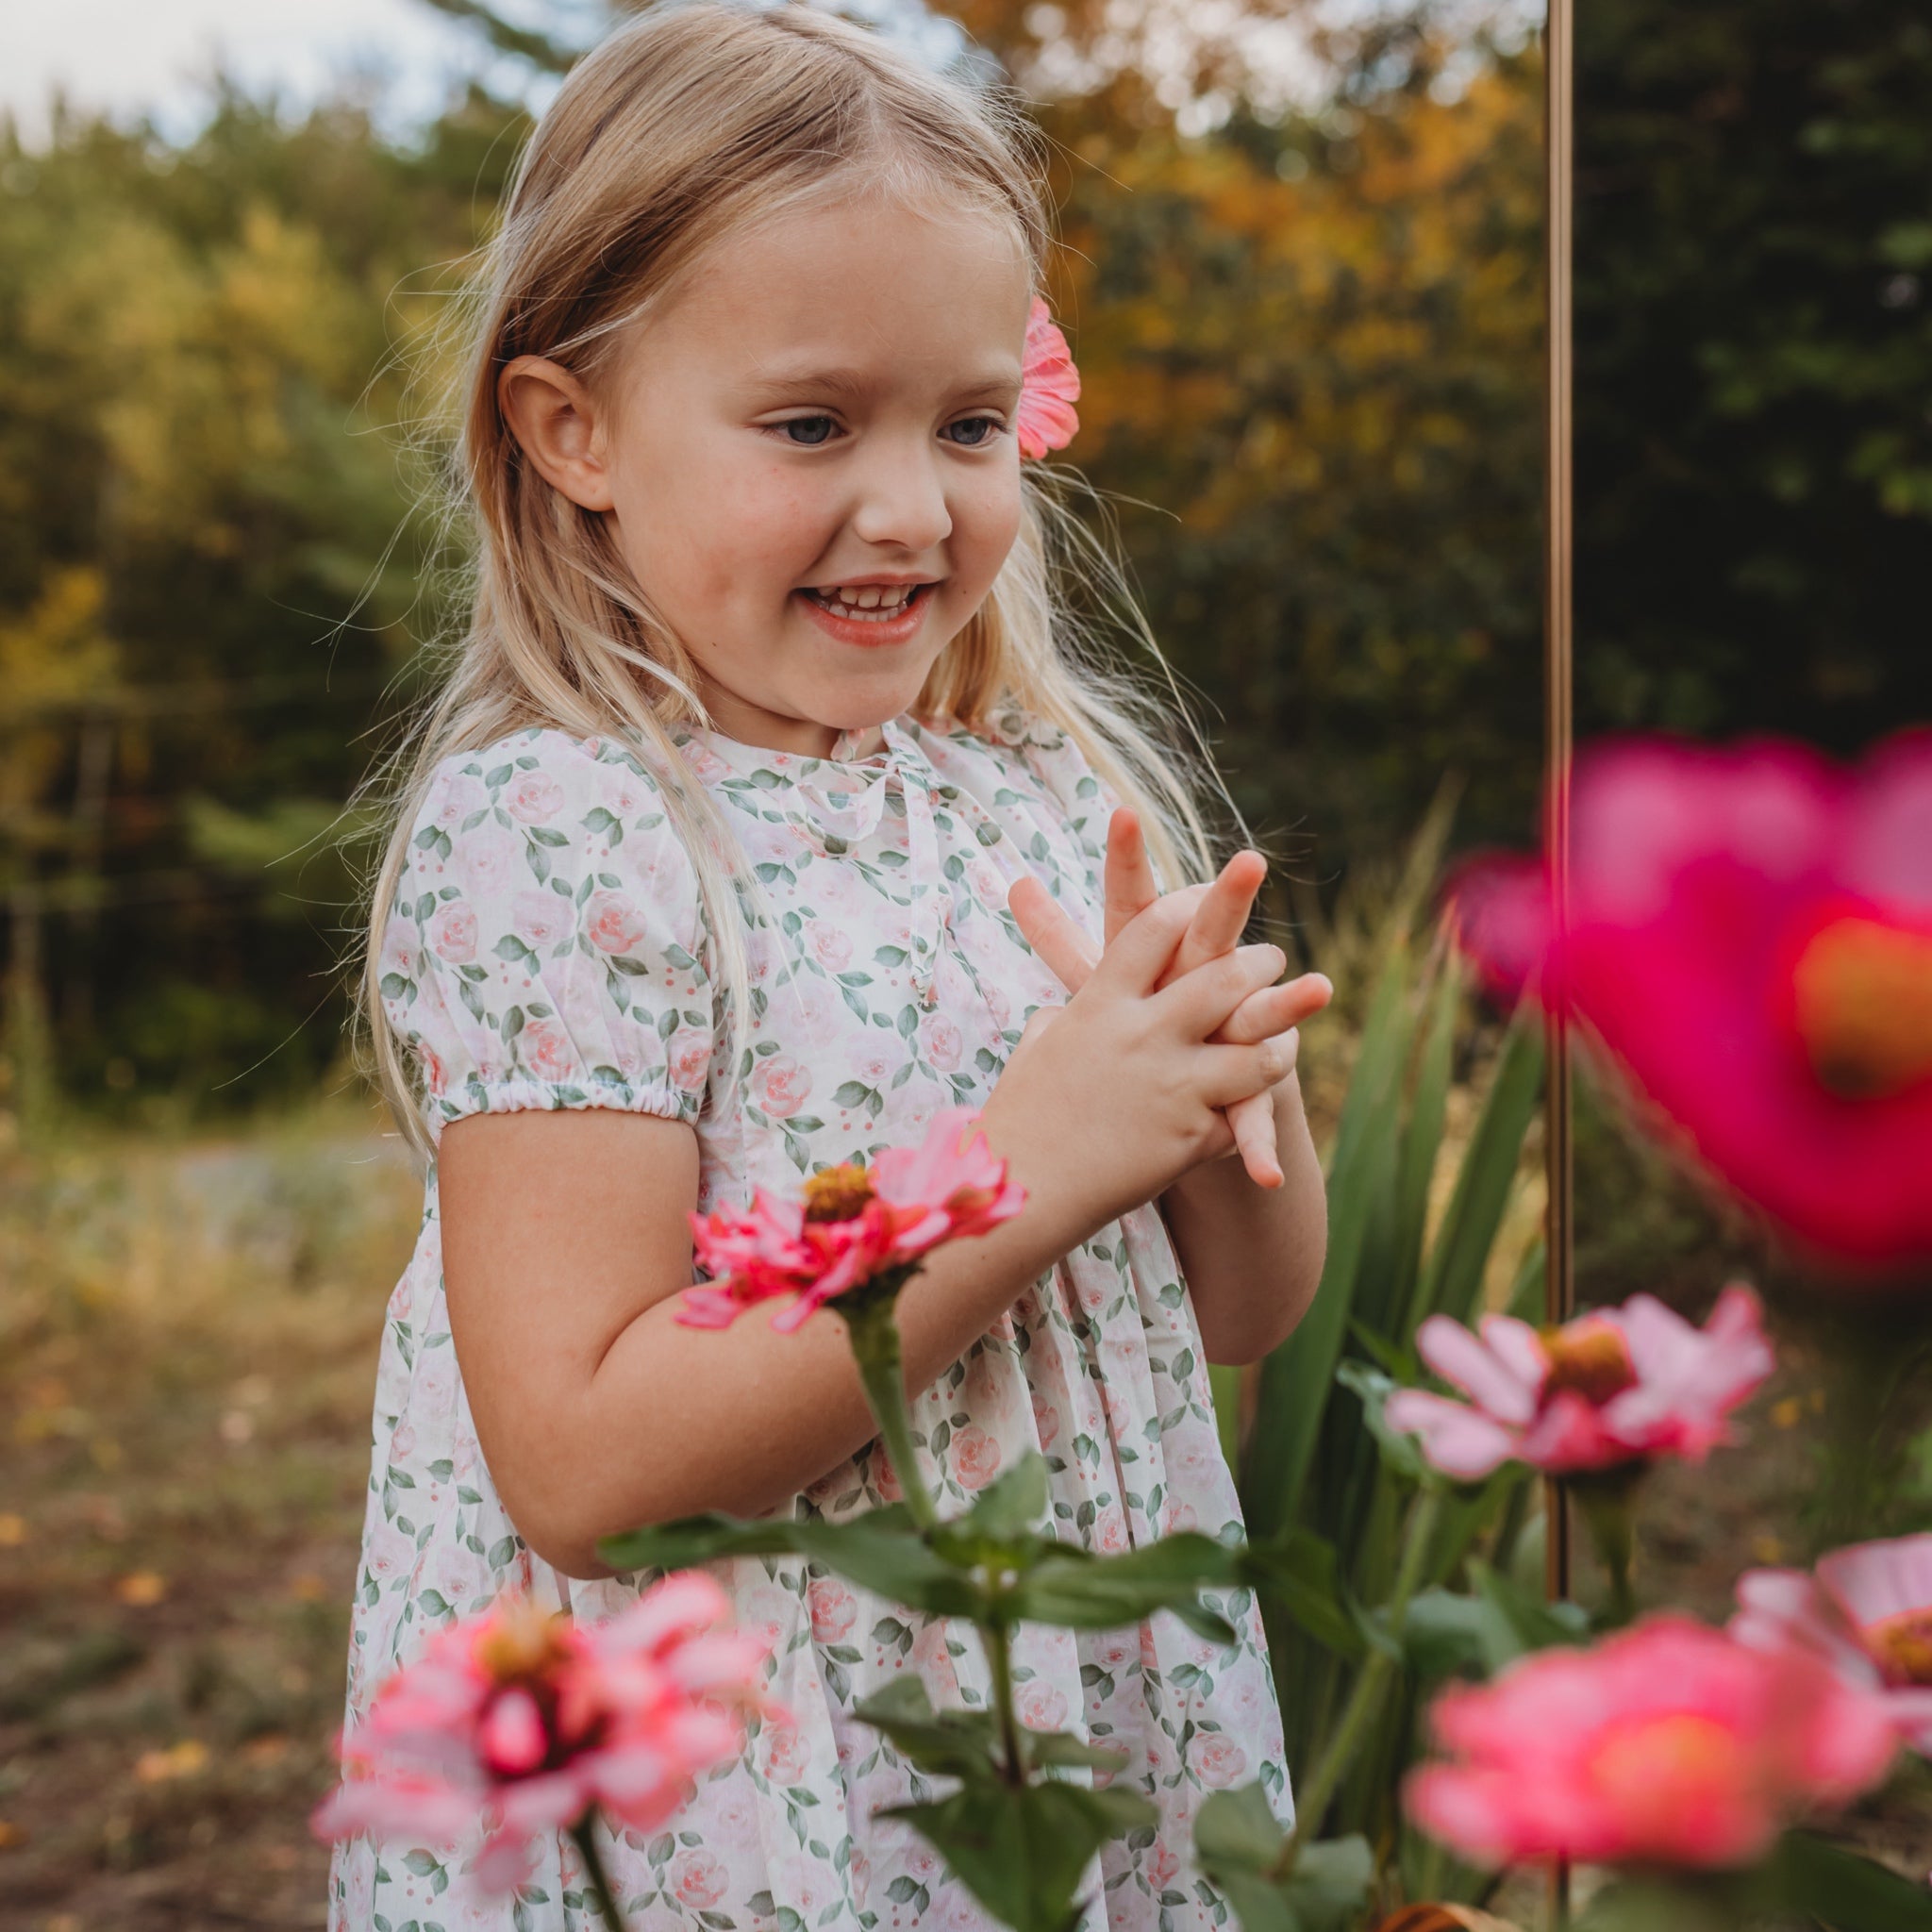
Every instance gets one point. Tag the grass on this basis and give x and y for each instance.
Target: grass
(188, 1340)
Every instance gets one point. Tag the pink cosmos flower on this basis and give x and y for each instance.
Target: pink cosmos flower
(1867, 1610)
(850, 1225)
(522, 1723)
(1751, 936)
(1049, 387)
(1613, 1385)
(1670, 1743)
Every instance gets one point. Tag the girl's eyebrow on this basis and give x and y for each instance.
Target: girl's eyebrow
(847, 385)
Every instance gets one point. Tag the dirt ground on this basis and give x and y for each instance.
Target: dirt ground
(188, 1340)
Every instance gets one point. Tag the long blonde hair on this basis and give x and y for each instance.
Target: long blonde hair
(684, 124)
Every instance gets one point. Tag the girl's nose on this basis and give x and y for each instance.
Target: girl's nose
(901, 499)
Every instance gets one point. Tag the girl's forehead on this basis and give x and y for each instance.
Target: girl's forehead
(876, 279)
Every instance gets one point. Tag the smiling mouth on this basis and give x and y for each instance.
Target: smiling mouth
(868, 603)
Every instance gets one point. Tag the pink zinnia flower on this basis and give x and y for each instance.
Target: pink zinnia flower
(1867, 1610)
(1670, 1744)
(852, 1224)
(1750, 935)
(1613, 1385)
(519, 1722)
(1049, 387)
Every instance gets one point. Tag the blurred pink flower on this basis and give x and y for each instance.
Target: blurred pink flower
(1750, 935)
(850, 1224)
(1670, 1743)
(1613, 1385)
(518, 1722)
(1867, 1610)
(1049, 387)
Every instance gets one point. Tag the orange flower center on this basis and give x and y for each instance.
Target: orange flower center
(1863, 996)
(1902, 1644)
(1590, 1356)
(1655, 1770)
(838, 1193)
(523, 1645)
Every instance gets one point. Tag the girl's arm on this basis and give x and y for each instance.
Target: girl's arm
(566, 1241)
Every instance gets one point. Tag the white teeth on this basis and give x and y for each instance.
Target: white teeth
(868, 602)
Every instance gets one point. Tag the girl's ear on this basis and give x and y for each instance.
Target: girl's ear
(556, 423)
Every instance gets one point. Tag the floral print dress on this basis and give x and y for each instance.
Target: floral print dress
(546, 950)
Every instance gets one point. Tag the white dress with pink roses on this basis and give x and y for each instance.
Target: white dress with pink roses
(546, 950)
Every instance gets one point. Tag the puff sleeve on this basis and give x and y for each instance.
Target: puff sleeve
(545, 946)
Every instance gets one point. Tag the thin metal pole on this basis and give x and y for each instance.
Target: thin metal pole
(1558, 736)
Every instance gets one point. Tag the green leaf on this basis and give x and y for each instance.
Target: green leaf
(1298, 1571)
(1012, 1504)
(950, 1743)
(1069, 1587)
(1844, 1891)
(1296, 1377)
(1239, 1844)
(1401, 1453)
(1020, 1851)
(882, 1549)
(1454, 1276)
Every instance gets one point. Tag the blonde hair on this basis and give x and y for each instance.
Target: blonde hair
(681, 126)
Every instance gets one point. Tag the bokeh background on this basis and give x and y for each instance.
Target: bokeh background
(1303, 279)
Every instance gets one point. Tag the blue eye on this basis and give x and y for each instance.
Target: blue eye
(810, 431)
(983, 429)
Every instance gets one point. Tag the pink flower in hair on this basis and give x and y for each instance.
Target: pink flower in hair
(850, 1224)
(1049, 387)
(518, 1722)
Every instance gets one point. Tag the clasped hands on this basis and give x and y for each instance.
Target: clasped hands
(1219, 915)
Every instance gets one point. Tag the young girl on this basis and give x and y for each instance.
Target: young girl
(762, 819)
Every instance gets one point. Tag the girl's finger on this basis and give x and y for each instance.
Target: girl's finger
(1253, 1120)
(1043, 921)
(1230, 1074)
(1129, 877)
(1204, 1002)
(1276, 1009)
(1223, 913)
(1138, 957)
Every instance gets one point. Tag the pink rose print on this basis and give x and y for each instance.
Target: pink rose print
(779, 1086)
(453, 796)
(999, 1005)
(1181, 1516)
(1047, 1423)
(534, 797)
(1218, 1761)
(941, 1042)
(690, 1066)
(831, 946)
(399, 948)
(871, 1066)
(614, 923)
(547, 1050)
(1114, 1652)
(787, 1757)
(736, 1817)
(976, 1457)
(1041, 1706)
(492, 857)
(1110, 1535)
(707, 764)
(624, 798)
(1163, 1867)
(402, 1445)
(453, 933)
(698, 1879)
(435, 1075)
(1192, 1456)
(540, 918)
(834, 1611)
(885, 1478)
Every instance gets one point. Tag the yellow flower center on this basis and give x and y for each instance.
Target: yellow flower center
(1655, 1770)
(1863, 995)
(1590, 1356)
(838, 1193)
(1902, 1644)
(522, 1645)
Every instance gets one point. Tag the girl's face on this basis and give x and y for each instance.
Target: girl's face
(808, 458)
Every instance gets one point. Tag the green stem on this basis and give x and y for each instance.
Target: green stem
(596, 1881)
(1000, 1664)
(1608, 1506)
(873, 1332)
(1371, 1683)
